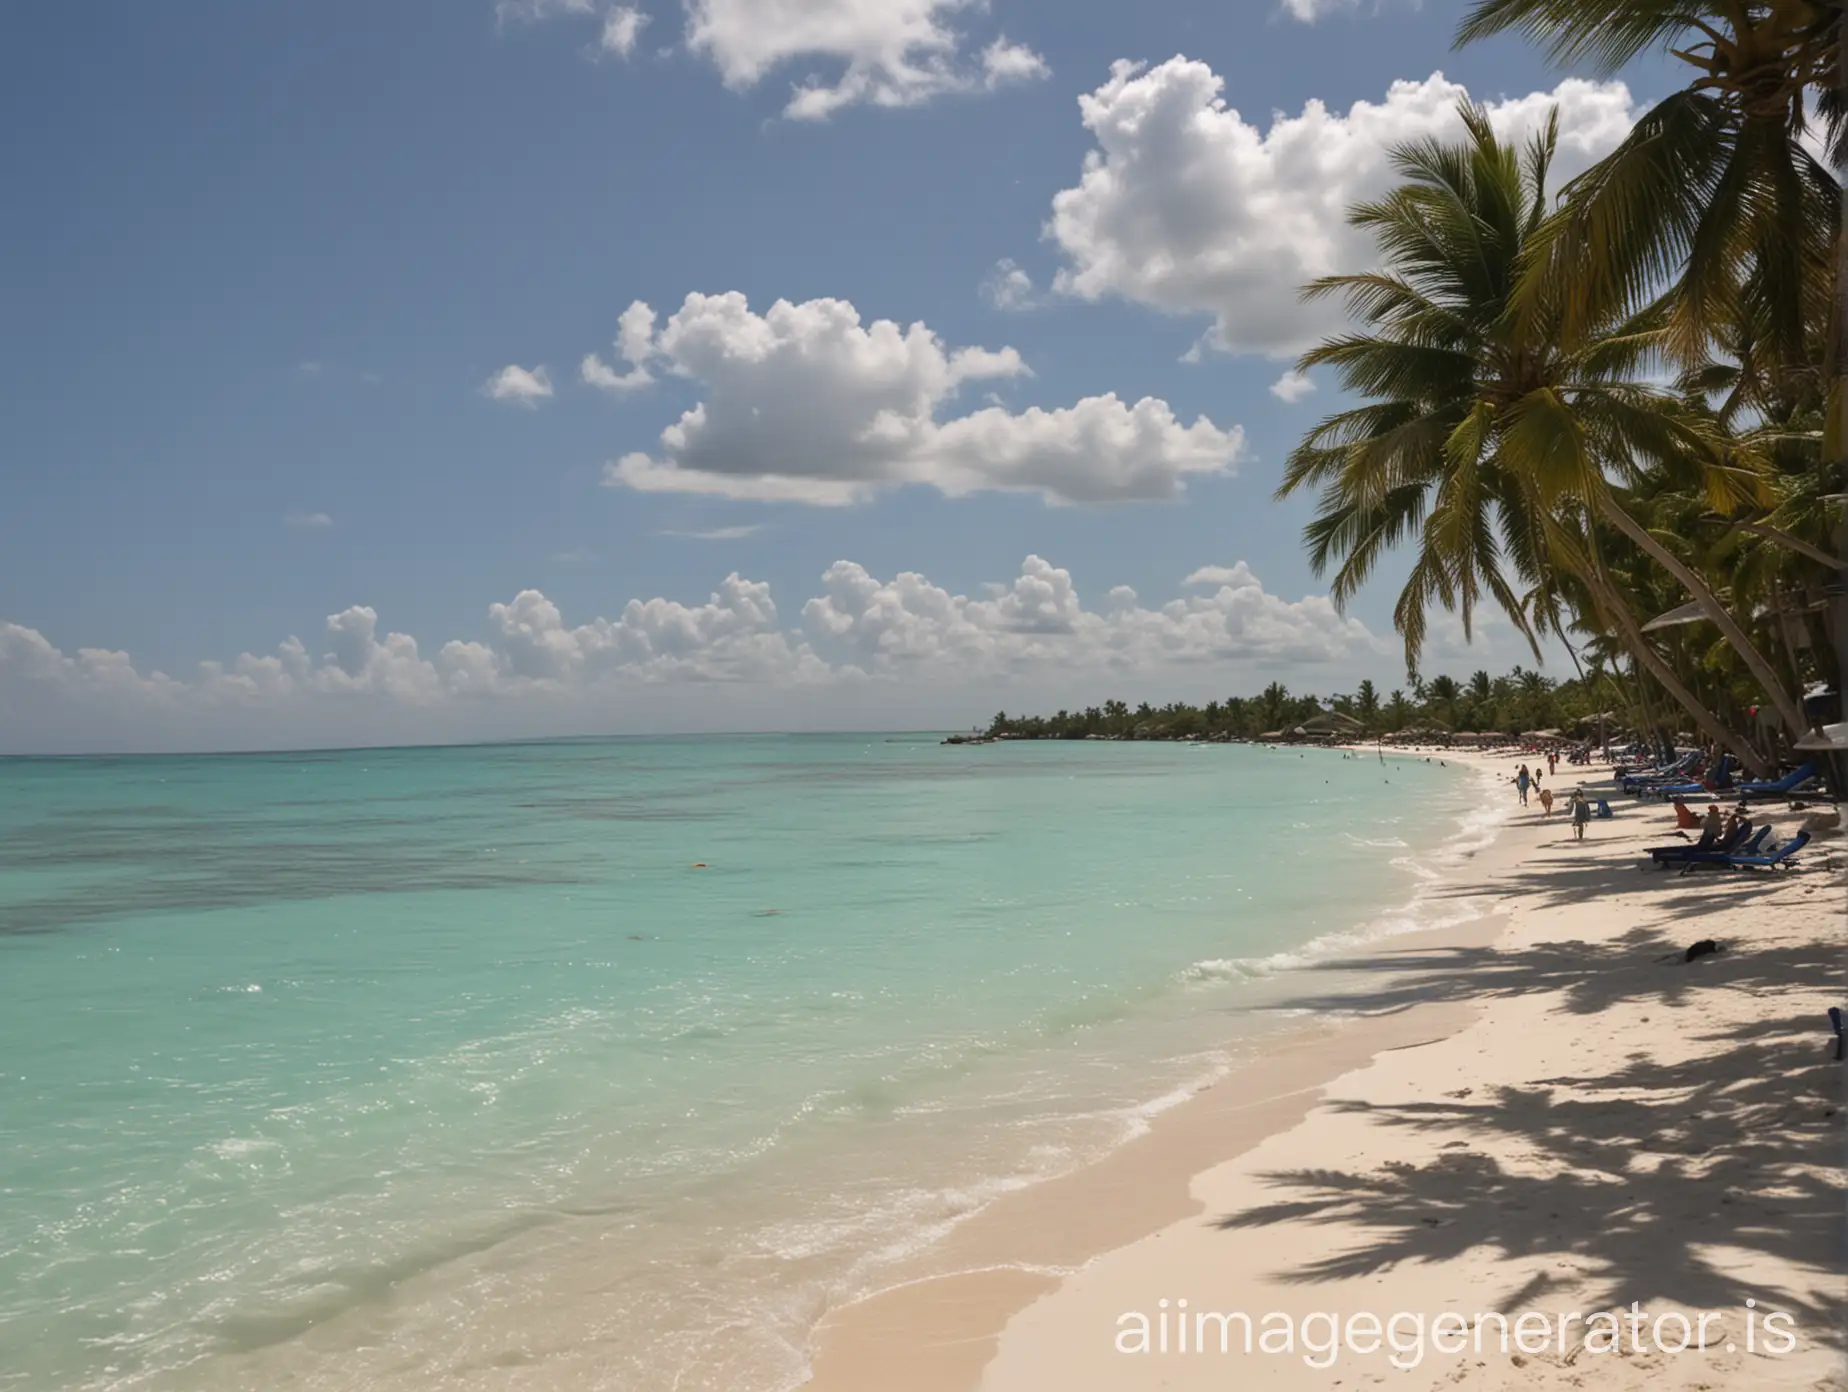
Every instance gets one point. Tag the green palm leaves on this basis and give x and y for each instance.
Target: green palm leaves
(1481, 411)
(1583, 406)
(1507, 418)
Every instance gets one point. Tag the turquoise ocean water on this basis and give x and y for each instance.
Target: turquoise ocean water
(408, 1068)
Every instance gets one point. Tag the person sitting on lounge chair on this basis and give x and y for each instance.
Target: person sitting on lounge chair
(1685, 820)
(1710, 828)
(1737, 826)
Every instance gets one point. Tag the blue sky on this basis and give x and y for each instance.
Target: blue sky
(264, 259)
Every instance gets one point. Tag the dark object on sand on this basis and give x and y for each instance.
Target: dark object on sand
(1835, 1018)
(1706, 947)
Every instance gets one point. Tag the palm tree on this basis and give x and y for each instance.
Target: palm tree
(1367, 701)
(1714, 194)
(1273, 705)
(1499, 440)
(1444, 696)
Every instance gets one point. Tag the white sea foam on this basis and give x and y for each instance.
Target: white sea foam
(1477, 828)
(242, 1147)
(921, 1216)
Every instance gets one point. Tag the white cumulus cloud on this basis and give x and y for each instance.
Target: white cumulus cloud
(907, 623)
(1008, 287)
(528, 668)
(887, 52)
(733, 636)
(518, 385)
(1004, 62)
(26, 655)
(805, 403)
(1293, 386)
(1219, 575)
(1187, 207)
(842, 52)
(622, 30)
(635, 345)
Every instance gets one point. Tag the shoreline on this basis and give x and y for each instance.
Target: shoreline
(1041, 1271)
(747, 1252)
(1003, 1263)
(1025, 1245)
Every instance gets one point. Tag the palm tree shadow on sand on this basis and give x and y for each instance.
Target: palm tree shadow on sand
(1649, 1181)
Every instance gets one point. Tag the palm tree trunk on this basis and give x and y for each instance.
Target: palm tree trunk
(1572, 653)
(1818, 616)
(1791, 543)
(1788, 710)
(1633, 696)
(1632, 633)
(1651, 724)
(1790, 629)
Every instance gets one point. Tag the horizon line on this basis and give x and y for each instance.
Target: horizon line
(448, 744)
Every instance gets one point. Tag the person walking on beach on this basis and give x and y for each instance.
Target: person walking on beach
(1581, 814)
(1521, 780)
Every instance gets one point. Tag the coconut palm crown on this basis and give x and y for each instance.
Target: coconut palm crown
(1492, 414)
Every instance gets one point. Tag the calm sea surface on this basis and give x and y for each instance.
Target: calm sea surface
(405, 1068)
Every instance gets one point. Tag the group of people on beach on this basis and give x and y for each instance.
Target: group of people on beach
(1577, 805)
(1716, 832)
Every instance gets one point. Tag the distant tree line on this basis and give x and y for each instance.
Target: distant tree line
(1522, 700)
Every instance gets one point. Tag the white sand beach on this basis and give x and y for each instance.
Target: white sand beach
(1538, 1115)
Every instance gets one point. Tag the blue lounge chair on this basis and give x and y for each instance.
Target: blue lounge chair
(1742, 843)
(1691, 784)
(1629, 778)
(1835, 1018)
(1634, 779)
(1734, 842)
(1720, 782)
(1789, 783)
(1784, 856)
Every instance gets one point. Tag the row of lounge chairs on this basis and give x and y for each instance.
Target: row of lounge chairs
(1634, 780)
(1743, 854)
(1676, 781)
(1721, 781)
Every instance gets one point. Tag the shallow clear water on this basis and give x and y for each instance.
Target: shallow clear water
(383, 1068)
